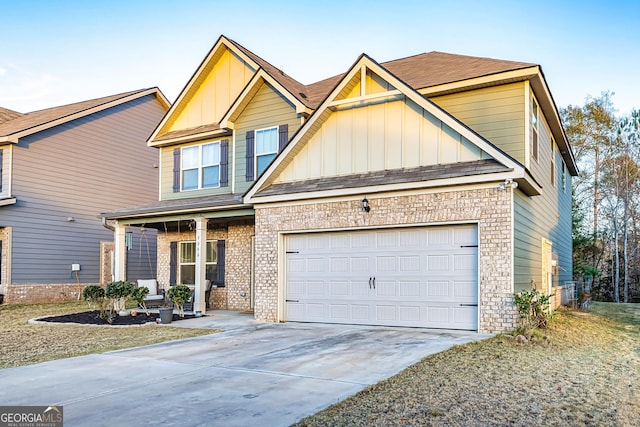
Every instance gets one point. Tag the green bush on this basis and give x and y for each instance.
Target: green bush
(92, 293)
(533, 307)
(179, 295)
(119, 292)
(138, 296)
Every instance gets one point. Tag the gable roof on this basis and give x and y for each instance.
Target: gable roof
(292, 89)
(427, 70)
(263, 186)
(36, 121)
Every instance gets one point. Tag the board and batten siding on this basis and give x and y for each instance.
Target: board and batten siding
(267, 109)
(496, 113)
(213, 96)
(545, 216)
(77, 170)
(384, 135)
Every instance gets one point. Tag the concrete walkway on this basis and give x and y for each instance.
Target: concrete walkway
(253, 374)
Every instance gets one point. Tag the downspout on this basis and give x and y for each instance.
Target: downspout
(105, 224)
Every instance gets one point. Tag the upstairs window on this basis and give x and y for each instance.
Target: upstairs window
(200, 166)
(266, 148)
(534, 129)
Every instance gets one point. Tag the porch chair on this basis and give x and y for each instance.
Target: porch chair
(155, 297)
(188, 306)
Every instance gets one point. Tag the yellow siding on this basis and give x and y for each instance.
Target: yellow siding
(391, 135)
(215, 94)
(496, 113)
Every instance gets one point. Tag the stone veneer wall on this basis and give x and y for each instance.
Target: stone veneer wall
(491, 208)
(237, 238)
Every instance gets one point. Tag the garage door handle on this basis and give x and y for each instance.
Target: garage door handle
(292, 300)
(370, 278)
(468, 305)
(374, 283)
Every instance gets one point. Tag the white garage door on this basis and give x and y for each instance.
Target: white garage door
(421, 277)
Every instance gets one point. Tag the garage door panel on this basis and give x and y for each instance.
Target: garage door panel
(386, 263)
(386, 288)
(360, 313)
(409, 313)
(437, 289)
(386, 313)
(424, 277)
(438, 263)
(409, 288)
(360, 288)
(409, 263)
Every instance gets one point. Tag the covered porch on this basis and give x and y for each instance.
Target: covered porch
(200, 240)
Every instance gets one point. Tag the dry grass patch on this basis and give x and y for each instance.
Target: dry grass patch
(24, 344)
(583, 370)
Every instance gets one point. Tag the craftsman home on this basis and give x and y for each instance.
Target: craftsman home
(59, 168)
(418, 192)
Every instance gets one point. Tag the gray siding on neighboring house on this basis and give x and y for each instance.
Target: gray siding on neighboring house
(546, 216)
(78, 170)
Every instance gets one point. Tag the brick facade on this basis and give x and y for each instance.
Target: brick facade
(236, 293)
(489, 207)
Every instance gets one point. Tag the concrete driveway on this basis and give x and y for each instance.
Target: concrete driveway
(253, 374)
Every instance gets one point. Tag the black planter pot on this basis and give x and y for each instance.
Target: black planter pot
(166, 315)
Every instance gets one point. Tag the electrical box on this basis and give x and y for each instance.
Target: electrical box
(75, 267)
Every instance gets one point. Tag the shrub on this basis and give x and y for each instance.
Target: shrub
(179, 294)
(94, 295)
(138, 296)
(533, 307)
(119, 292)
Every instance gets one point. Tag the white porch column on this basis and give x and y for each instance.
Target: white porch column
(120, 254)
(199, 303)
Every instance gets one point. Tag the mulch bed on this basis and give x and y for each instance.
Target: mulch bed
(93, 318)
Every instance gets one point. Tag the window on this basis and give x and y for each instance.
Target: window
(266, 148)
(188, 262)
(200, 166)
(534, 129)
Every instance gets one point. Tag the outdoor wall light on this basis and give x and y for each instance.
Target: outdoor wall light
(365, 205)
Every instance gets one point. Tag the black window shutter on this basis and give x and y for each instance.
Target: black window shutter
(250, 154)
(219, 281)
(283, 136)
(224, 163)
(0, 170)
(176, 170)
(173, 263)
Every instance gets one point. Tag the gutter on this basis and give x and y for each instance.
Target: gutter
(105, 224)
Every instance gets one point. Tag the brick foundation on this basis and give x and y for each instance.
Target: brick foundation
(43, 293)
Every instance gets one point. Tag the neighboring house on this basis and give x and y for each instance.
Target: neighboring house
(61, 167)
(421, 192)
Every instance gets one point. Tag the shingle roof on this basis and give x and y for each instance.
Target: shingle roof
(6, 115)
(426, 70)
(190, 204)
(296, 88)
(36, 118)
(391, 176)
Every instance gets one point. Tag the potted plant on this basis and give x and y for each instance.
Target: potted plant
(179, 295)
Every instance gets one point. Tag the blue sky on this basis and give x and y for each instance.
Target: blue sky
(57, 52)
